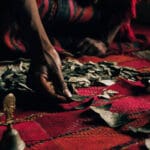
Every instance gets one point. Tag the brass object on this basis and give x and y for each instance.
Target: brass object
(11, 139)
(9, 107)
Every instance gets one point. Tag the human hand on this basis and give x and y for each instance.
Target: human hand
(92, 47)
(45, 76)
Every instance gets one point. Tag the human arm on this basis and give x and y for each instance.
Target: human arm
(50, 56)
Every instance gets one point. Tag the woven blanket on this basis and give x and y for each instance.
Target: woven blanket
(43, 125)
(115, 116)
(77, 124)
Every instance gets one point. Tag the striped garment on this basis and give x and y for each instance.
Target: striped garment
(70, 11)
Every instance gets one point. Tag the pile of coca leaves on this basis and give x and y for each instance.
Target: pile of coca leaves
(95, 74)
(13, 75)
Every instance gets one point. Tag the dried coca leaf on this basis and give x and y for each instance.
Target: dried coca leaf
(78, 98)
(102, 73)
(112, 119)
(14, 75)
(84, 105)
(107, 94)
(24, 86)
(76, 73)
(81, 81)
(107, 82)
(144, 129)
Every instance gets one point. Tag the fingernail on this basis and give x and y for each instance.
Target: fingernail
(67, 93)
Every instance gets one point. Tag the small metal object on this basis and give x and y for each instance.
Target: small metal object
(9, 107)
(11, 139)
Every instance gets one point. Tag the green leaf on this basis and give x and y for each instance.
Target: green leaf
(112, 119)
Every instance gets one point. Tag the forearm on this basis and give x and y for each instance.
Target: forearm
(36, 23)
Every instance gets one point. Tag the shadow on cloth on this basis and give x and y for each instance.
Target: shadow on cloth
(33, 101)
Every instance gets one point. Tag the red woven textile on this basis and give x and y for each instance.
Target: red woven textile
(61, 130)
(81, 129)
(94, 139)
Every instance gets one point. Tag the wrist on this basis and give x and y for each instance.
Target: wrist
(46, 45)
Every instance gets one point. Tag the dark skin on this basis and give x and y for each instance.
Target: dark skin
(46, 64)
(57, 88)
(110, 25)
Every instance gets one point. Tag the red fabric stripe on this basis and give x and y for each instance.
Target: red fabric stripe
(46, 7)
(133, 7)
(126, 29)
(39, 2)
(131, 105)
(137, 64)
(90, 91)
(13, 43)
(7, 40)
(99, 138)
(71, 6)
(87, 14)
(31, 132)
(78, 13)
(19, 45)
